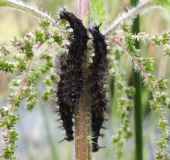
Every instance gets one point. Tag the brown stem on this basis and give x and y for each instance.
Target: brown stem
(82, 113)
(82, 129)
(82, 110)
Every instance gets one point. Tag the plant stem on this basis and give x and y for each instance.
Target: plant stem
(82, 113)
(22, 7)
(137, 96)
(142, 70)
(82, 109)
(82, 144)
(124, 17)
(83, 7)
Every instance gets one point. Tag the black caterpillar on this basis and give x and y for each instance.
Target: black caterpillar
(65, 110)
(98, 70)
(75, 56)
(71, 83)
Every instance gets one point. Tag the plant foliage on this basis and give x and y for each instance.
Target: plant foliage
(36, 55)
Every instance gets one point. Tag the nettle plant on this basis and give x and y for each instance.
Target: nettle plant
(44, 54)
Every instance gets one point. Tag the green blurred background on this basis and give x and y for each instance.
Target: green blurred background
(38, 130)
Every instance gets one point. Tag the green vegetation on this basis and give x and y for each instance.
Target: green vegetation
(29, 66)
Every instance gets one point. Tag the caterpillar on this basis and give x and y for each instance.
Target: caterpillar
(76, 51)
(98, 70)
(71, 83)
(65, 110)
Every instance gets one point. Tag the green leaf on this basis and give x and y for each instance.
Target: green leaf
(98, 11)
(47, 81)
(58, 39)
(6, 66)
(39, 36)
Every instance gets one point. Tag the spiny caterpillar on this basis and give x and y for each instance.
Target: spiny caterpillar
(75, 56)
(98, 70)
(71, 84)
(65, 110)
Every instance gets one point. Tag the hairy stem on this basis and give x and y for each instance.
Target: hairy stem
(131, 13)
(18, 93)
(138, 36)
(82, 147)
(83, 108)
(137, 63)
(82, 113)
(137, 97)
(22, 7)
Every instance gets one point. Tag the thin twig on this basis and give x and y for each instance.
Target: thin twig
(22, 7)
(138, 36)
(144, 73)
(126, 16)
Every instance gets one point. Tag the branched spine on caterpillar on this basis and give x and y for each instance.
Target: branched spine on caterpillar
(98, 70)
(73, 82)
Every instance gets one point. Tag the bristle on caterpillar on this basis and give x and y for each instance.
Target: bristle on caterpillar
(98, 70)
